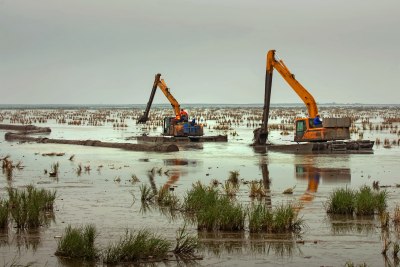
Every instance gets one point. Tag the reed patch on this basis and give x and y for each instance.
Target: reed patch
(363, 201)
(28, 206)
(78, 243)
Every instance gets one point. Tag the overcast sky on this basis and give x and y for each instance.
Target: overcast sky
(208, 51)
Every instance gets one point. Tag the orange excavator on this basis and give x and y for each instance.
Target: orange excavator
(325, 136)
(173, 126)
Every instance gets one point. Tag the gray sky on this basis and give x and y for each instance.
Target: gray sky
(107, 52)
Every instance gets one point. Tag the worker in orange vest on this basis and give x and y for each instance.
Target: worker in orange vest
(184, 115)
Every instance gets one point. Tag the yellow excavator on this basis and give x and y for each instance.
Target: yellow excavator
(328, 135)
(173, 126)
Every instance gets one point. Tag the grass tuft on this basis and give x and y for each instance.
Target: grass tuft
(396, 215)
(364, 201)
(341, 201)
(146, 193)
(166, 198)
(396, 249)
(230, 188)
(186, 245)
(78, 243)
(282, 219)
(138, 246)
(234, 177)
(212, 210)
(28, 206)
(257, 190)
(4, 208)
(55, 169)
(134, 179)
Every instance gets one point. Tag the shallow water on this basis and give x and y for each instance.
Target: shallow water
(97, 197)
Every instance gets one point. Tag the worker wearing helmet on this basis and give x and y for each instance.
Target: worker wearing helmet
(184, 115)
(317, 121)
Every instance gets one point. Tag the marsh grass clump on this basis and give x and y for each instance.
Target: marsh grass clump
(186, 245)
(134, 179)
(7, 167)
(351, 264)
(384, 218)
(364, 201)
(257, 190)
(200, 196)
(146, 193)
(3, 214)
(230, 188)
(55, 168)
(380, 201)
(396, 215)
(232, 215)
(396, 249)
(234, 177)
(259, 216)
(212, 210)
(166, 198)
(139, 246)
(28, 207)
(78, 243)
(341, 201)
(286, 220)
(282, 219)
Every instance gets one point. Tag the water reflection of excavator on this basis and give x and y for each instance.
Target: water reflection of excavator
(323, 136)
(173, 173)
(173, 126)
(314, 175)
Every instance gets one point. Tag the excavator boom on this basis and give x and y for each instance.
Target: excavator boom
(174, 103)
(261, 134)
(160, 83)
(302, 92)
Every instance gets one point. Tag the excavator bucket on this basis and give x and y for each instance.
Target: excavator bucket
(143, 119)
(260, 137)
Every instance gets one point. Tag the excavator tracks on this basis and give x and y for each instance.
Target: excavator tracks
(350, 147)
(330, 147)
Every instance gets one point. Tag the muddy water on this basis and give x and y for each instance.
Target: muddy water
(105, 196)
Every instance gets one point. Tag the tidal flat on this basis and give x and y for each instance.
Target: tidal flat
(101, 186)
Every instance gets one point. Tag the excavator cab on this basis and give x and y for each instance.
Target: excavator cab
(301, 127)
(331, 129)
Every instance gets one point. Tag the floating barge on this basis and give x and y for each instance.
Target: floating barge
(330, 147)
(182, 139)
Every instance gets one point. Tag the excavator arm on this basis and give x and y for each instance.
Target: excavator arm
(261, 134)
(307, 98)
(174, 103)
(160, 83)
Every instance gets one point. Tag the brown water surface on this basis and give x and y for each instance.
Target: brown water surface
(104, 195)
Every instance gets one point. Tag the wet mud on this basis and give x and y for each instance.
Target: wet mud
(104, 192)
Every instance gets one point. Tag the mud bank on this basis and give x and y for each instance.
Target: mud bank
(25, 130)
